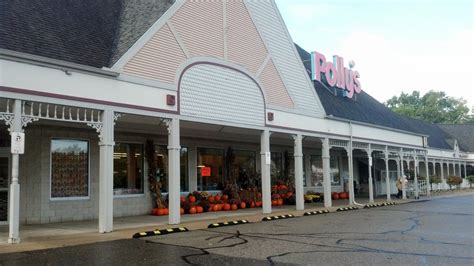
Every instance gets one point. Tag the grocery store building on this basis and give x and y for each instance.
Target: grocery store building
(100, 87)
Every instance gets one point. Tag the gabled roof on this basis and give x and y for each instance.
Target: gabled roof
(464, 135)
(364, 108)
(88, 32)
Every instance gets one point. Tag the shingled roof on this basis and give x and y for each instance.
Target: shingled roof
(364, 108)
(88, 32)
(464, 135)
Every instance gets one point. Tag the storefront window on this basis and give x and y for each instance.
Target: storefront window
(316, 171)
(162, 171)
(128, 169)
(244, 168)
(210, 167)
(276, 167)
(69, 168)
(335, 162)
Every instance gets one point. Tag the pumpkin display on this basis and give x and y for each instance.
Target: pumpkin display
(280, 202)
(211, 208)
(243, 205)
(192, 199)
(154, 211)
(192, 210)
(342, 195)
(233, 207)
(217, 197)
(166, 211)
(335, 196)
(199, 209)
(274, 202)
(258, 204)
(182, 199)
(181, 210)
(226, 207)
(216, 208)
(210, 199)
(224, 197)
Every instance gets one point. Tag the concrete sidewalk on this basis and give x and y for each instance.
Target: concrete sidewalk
(44, 236)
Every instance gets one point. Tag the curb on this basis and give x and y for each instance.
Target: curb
(237, 222)
(160, 232)
(278, 217)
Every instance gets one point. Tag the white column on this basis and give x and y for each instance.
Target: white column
(434, 167)
(371, 181)
(298, 153)
(14, 201)
(465, 170)
(265, 169)
(415, 180)
(443, 181)
(387, 178)
(326, 173)
(350, 164)
(174, 175)
(428, 184)
(404, 190)
(192, 168)
(106, 171)
(459, 167)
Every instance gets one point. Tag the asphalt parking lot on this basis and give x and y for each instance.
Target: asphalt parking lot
(435, 232)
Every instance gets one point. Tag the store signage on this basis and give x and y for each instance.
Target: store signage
(206, 171)
(334, 74)
(18, 143)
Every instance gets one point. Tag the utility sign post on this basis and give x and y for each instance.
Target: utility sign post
(18, 143)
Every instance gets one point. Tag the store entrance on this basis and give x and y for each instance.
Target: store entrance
(4, 178)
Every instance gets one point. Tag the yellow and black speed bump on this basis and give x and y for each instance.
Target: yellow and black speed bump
(157, 232)
(315, 212)
(347, 208)
(214, 225)
(380, 204)
(278, 217)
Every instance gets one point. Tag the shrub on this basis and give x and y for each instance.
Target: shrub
(470, 178)
(454, 180)
(435, 179)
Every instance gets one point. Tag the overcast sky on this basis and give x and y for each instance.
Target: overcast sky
(397, 45)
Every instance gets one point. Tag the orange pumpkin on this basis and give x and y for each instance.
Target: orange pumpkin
(182, 199)
(154, 211)
(233, 206)
(226, 207)
(192, 210)
(181, 210)
(210, 199)
(166, 211)
(211, 208)
(192, 199)
(199, 209)
(160, 211)
(274, 202)
(225, 197)
(217, 197)
(289, 194)
(216, 208)
(280, 202)
(243, 205)
(252, 204)
(258, 204)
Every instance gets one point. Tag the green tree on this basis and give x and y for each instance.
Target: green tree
(434, 107)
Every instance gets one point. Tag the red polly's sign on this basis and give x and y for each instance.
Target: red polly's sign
(335, 74)
(206, 171)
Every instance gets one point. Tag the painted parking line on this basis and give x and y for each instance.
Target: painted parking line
(237, 222)
(157, 232)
